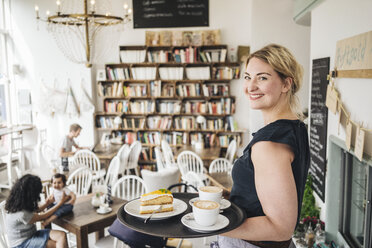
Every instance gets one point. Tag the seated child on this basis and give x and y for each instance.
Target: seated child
(58, 188)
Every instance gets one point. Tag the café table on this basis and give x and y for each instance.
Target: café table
(173, 228)
(221, 179)
(84, 219)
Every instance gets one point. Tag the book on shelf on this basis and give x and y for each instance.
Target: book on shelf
(143, 73)
(198, 73)
(185, 122)
(117, 73)
(226, 72)
(171, 73)
(167, 90)
(112, 106)
(142, 107)
(159, 122)
(132, 56)
(155, 88)
(187, 90)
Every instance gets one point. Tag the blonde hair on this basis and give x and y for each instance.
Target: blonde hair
(285, 64)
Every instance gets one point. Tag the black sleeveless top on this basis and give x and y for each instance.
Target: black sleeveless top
(290, 132)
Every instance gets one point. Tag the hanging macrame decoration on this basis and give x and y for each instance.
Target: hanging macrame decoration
(85, 103)
(51, 100)
(72, 108)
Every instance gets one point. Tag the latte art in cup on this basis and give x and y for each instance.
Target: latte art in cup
(211, 189)
(206, 204)
(206, 212)
(211, 193)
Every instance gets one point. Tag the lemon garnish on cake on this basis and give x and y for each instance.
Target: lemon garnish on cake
(151, 201)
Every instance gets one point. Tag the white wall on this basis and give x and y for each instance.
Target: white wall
(272, 23)
(335, 20)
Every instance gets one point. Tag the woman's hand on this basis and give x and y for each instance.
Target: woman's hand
(50, 200)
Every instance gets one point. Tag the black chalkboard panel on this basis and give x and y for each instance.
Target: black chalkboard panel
(318, 125)
(170, 13)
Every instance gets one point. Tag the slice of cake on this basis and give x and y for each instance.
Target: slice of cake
(151, 201)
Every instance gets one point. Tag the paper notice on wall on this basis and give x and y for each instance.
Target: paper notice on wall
(349, 130)
(354, 53)
(331, 100)
(359, 143)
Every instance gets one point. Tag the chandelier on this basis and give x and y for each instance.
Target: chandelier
(78, 26)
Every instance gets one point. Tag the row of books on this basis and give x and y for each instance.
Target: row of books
(143, 73)
(136, 90)
(159, 122)
(188, 55)
(168, 107)
(161, 56)
(214, 55)
(133, 123)
(117, 73)
(227, 138)
(223, 106)
(176, 138)
(209, 139)
(153, 138)
(135, 107)
(198, 73)
(133, 56)
(216, 90)
(187, 90)
(171, 73)
(226, 72)
(145, 154)
(186, 123)
(105, 122)
(110, 90)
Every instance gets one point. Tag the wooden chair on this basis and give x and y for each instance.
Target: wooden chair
(90, 160)
(220, 165)
(160, 163)
(231, 150)
(135, 150)
(80, 181)
(3, 233)
(123, 155)
(113, 171)
(168, 154)
(129, 187)
(190, 161)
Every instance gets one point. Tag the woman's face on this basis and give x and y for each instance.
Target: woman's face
(263, 86)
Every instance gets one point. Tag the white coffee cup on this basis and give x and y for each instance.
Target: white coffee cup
(211, 193)
(206, 212)
(104, 207)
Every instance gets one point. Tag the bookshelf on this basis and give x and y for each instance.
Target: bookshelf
(159, 91)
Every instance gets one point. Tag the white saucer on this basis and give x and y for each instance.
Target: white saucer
(105, 211)
(189, 221)
(224, 203)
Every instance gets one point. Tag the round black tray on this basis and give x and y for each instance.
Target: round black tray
(173, 227)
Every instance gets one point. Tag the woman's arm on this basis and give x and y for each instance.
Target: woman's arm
(48, 201)
(276, 190)
(42, 216)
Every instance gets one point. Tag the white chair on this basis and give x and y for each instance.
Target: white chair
(49, 155)
(160, 163)
(80, 181)
(191, 178)
(168, 154)
(220, 165)
(231, 150)
(113, 171)
(15, 154)
(90, 160)
(3, 234)
(129, 187)
(155, 180)
(190, 161)
(135, 150)
(123, 155)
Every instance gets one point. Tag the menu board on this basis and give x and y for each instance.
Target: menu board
(170, 13)
(318, 125)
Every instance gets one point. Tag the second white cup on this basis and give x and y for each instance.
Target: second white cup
(206, 212)
(210, 193)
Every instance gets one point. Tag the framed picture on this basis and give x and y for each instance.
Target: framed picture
(101, 75)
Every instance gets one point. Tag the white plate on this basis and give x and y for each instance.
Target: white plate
(189, 221)
(224, 203)
(133, 208)
(104, 211)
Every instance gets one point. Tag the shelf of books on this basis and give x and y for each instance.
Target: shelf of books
(180, 94)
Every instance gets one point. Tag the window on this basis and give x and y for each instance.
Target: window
(355, 214)
(4, 62)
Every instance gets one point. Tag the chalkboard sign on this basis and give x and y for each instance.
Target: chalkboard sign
(170, 13)
(318, 125)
